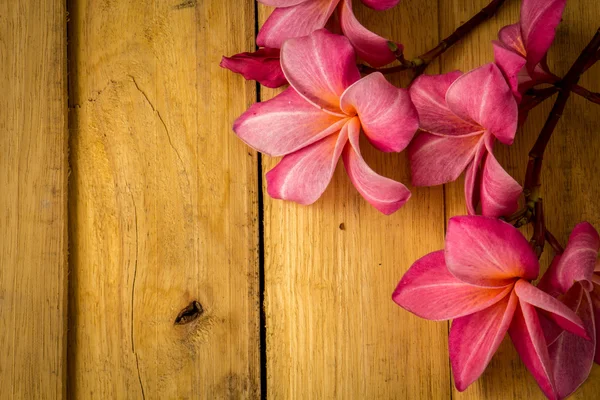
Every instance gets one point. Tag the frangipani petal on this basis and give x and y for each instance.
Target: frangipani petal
(510, 37)
(430, 291)
(428, 93)
(572, 356)
(483, 97)
(557, 311)
(385, 194)
(473, 176)
(285, 124)
(386, 113)
(304, 175)
(528, 338)
(475, 338)
(578, 261)
(595, 298)
(370, 47)
(262, 66)
(499, 191)
(435, 160)
(488, 252)
(320, 67)
(510, 63)
(281, 3)
(380, 4)
(539, 19)
(290, 22)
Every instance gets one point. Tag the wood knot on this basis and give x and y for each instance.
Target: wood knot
(189, 313)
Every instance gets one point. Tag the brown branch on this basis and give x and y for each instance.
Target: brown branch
(420, 63)
(552, 241)
(586, 94)
(532, 182)
(566, 85)
(539, 229)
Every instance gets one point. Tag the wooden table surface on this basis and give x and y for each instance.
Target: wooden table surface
(161, 268)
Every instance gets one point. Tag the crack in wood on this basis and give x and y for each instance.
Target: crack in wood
(133, 284)
(159, 117)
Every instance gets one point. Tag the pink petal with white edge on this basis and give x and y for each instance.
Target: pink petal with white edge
(510, 63)
(539, 19)
(473, 176)
(281, 3)
(385, 194)
(488, 252)
(557, 311)
(370, 47)
(572, 356)
(430, 291)
(483, 97)
(386, 113)
(435, 160)
(527, 336)
(428, 93)
(578, 261)
(475, 338)
(499, 191)
(296, 21)
(262, 66)
(381, 4)
(304, 175)
(320, 67)
(285, 124)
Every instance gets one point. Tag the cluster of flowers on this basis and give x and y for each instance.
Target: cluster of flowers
(448, 123)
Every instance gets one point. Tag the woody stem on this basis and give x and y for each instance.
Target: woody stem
(420, 63)
(531, 187)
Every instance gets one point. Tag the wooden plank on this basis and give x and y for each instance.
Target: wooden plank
(163, 203)
(330, 270)
(33, 200)
(571, 164)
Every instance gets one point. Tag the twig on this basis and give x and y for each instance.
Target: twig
(539, 229)
(566, 85)
(586, 94)
(552, 241)
(532, 183)
(420, 63)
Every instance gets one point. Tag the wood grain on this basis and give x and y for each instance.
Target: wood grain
(33, 200)
(163, 203)
(330, 270)
(570, 182)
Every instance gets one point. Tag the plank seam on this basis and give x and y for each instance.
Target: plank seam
(261, 248)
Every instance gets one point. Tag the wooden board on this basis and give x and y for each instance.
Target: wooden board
(163, 203)
(330, 270)
(33, 200)
(570, 182)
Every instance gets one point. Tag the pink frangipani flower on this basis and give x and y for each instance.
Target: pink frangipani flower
(482, 281)
(571, 278)
(296, 18)
(522, 46)
(262, 66)
(595, 296)
(319, 118)
(461, 116)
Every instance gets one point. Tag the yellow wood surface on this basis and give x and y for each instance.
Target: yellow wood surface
(163, 202)
(33, 199)
(165, 205)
